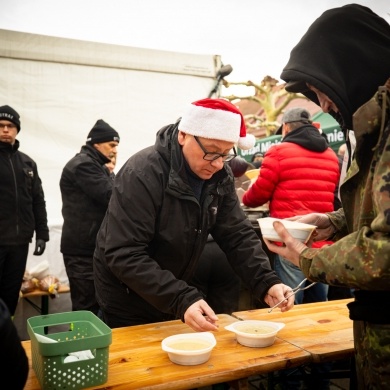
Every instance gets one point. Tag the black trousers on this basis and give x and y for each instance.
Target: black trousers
(81, 282)
(13, 259)
(215, 277)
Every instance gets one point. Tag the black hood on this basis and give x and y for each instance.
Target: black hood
(346, 55)
(308, 137)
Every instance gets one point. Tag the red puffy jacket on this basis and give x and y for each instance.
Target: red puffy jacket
(295, 180)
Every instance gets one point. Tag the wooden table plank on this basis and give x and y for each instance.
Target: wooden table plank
(44, 308)
(322, 328)
(62, 289)
(136, 359)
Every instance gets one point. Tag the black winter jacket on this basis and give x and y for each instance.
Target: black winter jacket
(13, 359)
(22, 201)
(155, 230)
(86, 187)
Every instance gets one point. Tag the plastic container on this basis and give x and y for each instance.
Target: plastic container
(300, 231)
(70, 332)
(253, 333)
(189, 349)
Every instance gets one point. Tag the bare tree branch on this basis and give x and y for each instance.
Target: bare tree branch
(272, 99)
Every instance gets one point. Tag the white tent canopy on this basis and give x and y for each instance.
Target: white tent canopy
(61, 87)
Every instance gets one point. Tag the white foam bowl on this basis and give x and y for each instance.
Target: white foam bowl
(189, 348)
(254, 333)
(300, 231)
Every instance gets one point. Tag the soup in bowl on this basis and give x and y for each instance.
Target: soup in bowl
(254, 333)
(189, 348)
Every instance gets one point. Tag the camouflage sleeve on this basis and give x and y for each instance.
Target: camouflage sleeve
(338, 221)
(360, 259)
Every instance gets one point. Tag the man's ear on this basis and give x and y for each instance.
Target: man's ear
(181, 137)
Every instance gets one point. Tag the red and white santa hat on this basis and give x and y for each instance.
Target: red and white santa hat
(216, 119)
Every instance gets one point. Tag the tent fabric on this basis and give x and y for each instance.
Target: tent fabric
(61, 87)
(35, 47)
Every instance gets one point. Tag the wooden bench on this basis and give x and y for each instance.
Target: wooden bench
(45, 295)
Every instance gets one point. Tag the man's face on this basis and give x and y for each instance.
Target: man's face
(8, 132)
(193, 154)
(109, 149)
(326, 103)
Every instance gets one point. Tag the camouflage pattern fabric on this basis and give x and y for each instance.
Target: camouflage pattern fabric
(372, 351)
(360, 257)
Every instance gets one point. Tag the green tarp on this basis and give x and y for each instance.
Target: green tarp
(328, 125)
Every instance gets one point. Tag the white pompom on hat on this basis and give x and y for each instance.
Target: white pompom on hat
(216, 119)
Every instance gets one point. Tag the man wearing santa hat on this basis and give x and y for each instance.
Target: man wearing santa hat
(166, 200)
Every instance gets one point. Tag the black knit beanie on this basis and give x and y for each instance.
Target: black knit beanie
(102, 132)
(9, 114)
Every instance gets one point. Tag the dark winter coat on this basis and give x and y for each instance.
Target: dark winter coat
(86, 187)
(22, 201)
(155, 231)
(297, 176)
(360, 259)
(13, 359)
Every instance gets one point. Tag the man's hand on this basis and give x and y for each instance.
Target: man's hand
(40, 246)
(201, 317)
(292, 248)
(324, 230)
(277, 293)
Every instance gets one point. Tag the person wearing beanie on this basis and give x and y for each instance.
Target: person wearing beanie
(257, 160)
(166, 201)
(298, 176)
(7, 113)
(294, 185)
(342, 63)
(22, 209)
(86, 185)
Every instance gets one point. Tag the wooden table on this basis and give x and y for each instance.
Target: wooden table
(323, 328)
(136, 359)
(45, 295)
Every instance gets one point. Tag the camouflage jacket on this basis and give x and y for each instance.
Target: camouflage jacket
(360, 257)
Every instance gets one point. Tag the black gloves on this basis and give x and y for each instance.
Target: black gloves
(40, 246)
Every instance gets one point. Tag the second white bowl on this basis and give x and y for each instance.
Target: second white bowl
(300, 231)
(254, 333)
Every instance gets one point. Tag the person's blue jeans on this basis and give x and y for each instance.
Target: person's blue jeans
(291, 275)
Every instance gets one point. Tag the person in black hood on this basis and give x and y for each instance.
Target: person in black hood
(345, 55)
(342, 63)
(86, 186)
(22, 209)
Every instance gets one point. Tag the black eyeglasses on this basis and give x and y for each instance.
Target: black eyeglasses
(212, 156)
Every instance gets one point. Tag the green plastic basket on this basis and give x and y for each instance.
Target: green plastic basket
(73, 331)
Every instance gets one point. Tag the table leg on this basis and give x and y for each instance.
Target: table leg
(45, 309)
(45, 304)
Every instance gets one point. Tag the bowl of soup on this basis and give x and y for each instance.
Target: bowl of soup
(300, 231)
(254, 333)
(189, 348)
